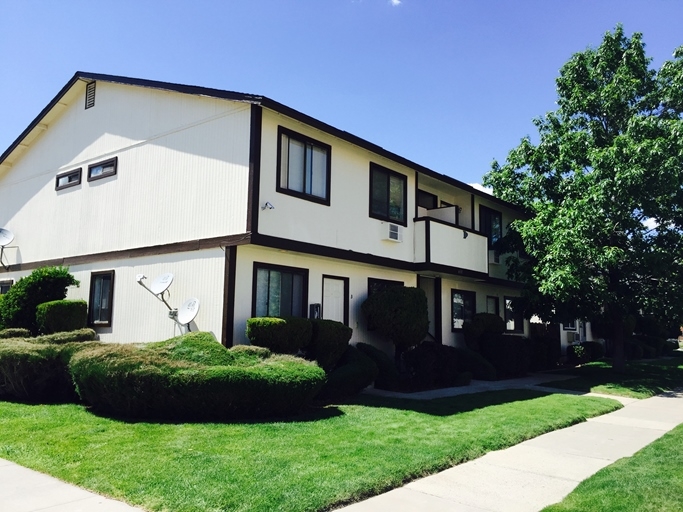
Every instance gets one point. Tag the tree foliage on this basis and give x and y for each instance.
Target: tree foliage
(603, 188)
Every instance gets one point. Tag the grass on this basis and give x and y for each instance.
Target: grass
(642, 379)
(328, 457)
(650, 480)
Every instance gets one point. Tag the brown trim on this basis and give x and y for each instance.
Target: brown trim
(438, 310)
(229, 295)
(93, 275)
(193, 245)
(111, 161)
(282, 268)
(253, 193)
(291, 134)
(346, 295)
(78, 172)
(389, 172)
(428, 242)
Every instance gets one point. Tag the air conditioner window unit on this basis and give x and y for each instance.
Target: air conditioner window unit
(395, 233)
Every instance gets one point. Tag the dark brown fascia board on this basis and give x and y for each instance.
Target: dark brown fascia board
(265, 102)
(153, 250)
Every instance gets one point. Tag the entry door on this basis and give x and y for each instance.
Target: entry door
(336, 299)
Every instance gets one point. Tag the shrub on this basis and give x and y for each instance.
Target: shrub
(656, 343)
(329, 341)
(594, 349)
(510, 355)
(16, 332)
(42, 285)
(353, 374)
(577, 354)
(476, 364)
(482, 324)
(37, 373)
(669, 347)
(633, 350)
(545, 352)
(388, 377)
(432, 365)
(61, 316)
(399, 314)
(60, 338)
(281, 335)
(193, 377)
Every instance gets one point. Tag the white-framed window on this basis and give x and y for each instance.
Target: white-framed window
(303, 166)
(102, 169)
(68, 179)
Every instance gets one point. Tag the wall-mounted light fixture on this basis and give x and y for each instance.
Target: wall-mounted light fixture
(268, 206)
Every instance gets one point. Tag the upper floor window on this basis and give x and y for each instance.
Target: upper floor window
(101, 298)
(102, 169)
(279, 291)
(303, 167)
(5, 286)
(388, 195)
(68, 179)
(490, 224)
(463, 307)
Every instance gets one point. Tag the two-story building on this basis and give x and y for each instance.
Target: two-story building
(256, 209)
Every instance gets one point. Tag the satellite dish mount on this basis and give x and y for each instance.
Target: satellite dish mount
(158, 288)
(6, 237)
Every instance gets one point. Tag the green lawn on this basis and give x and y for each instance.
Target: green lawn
(330, 456)
(641, 380)
(650, 480)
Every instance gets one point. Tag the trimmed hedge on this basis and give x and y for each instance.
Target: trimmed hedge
(353, 374)
(60, 338)
(633, 350)
(510, 355)
(545, 352)
(654, 342)
(595, 350)
(329, 341)
(61, 316)
(388, 377)
(15, 332)
(433, 365)
(37, 373)
(193, 377)
(281, 335)
(482, 324)
(18, 306)
(476, 364)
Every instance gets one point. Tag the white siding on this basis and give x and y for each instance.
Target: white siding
(182, 175)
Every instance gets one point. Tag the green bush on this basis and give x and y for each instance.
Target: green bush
(37, 373)
(432, 365)
(476, 364)
(594, 349)
(353, 374)
(61, 316)
(482, 324)
(399, 314)
(655, 342)
(388, 377)
(545, 351)
(510, 355)
(21, 300)
(633, 350)
(60, 338)
(329, 341)
(16, 332)
(193, 377)
(280, 335)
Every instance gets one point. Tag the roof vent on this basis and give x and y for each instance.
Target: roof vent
(90, 95)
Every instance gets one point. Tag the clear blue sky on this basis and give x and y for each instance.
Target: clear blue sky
(450, 84)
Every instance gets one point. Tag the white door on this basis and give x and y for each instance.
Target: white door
(334, 298)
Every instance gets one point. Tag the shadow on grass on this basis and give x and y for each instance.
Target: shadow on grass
(450, 405)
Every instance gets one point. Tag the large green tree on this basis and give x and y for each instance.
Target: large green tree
(603, 188)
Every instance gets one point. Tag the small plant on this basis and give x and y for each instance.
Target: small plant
(576, 354)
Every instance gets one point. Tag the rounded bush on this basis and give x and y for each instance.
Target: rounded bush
(482, 324)
(388, 377)
(61, 316)
(476, 364)
(353, 374)
(510, 355)
(281, 335)
(595, 350)
(432, 365)
(16, 332)
(329, 341)
(633, 350)
(193, 377)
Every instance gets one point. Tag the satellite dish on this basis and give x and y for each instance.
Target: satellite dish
(188, 311)
(161, 283)
(6, 237)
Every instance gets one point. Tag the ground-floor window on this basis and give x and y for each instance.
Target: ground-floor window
(514, 320)
(463, 307)
(101, 298)
(492, 305)
(378, 285)
(279, 291)
(5, 286)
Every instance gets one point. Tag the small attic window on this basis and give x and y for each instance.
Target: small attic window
(90, 95)
(102, 169)
(68, 179)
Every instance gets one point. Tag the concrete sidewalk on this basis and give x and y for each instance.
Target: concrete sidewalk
(538, 472)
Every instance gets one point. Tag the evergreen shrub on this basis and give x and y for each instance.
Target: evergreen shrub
(354, 372)
(60, 338)
(280, 335)
(594, 349)
(433, 365)
(16, 332)
(482, 324)
(510, 355)
(329, 341)
(388, 377)
(476, 364)
(61, 316)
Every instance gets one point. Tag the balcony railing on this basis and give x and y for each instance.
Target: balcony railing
(442, 243)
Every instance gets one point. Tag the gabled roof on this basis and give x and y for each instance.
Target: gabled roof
(39, 124)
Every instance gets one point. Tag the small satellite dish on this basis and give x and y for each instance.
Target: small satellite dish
(188, 311)
(6, 237)
(161, 283)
